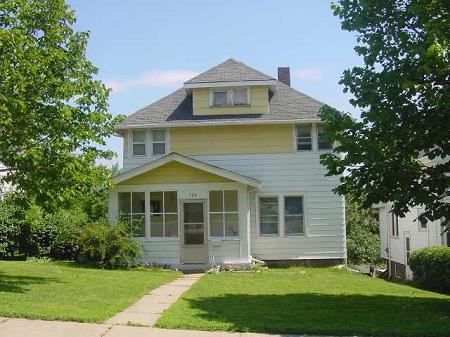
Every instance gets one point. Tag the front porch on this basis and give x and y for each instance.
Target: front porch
(187, 214)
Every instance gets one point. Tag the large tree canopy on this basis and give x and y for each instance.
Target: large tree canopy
(403, 93)
(53, 112)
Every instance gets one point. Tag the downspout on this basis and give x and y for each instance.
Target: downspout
(249, 229)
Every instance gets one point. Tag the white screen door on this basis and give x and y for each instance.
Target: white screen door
(193, 246)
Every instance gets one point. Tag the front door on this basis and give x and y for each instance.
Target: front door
(193, 241)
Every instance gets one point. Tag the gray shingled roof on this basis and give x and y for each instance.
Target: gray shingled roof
(229, 71)
(285, 104)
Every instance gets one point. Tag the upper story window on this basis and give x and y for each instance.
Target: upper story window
(323, 141)
(157, 141)
(231, 97)
(138, 142)
(304, 139)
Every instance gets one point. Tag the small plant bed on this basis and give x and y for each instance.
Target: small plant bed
(309, 301)
(70, 292)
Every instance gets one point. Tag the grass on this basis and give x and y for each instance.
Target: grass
(70, 292)
(309, 300)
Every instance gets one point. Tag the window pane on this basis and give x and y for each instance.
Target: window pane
(231, 201)
(294, 224)
(324, 143)
(240, 97)
(138, 225)
(124, 202)
(216, 224)
(304, 130)
(159, 148)
(138, 202)
(139, 136)
(232, 224)
(269, 225)
(268, 206)
(194, 234)
(159, 135)
(170, 202)
(193, 212)
(139, 149)
(156, 225)
(215, 201)
(171, 225)
(293, 205)
(156, 202)
(219, 98)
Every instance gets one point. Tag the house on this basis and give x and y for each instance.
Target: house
(400, 236)
(225, 170)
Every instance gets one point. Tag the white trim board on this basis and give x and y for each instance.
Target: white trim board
(189, 162)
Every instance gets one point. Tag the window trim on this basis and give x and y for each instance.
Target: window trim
(303, 215)
(296, 137)
(229, 97)
(223, 215)
(139, 143)
(131, 214)
(163, 213)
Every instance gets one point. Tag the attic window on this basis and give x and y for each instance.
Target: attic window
(230, 97)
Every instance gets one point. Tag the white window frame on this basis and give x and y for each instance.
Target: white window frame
(303, 214)
(139, 143)
(394, 220)
(281, 222)
(229, 97)
(223, 214)
(296, 138)
(152, 141)
(163, 213)
(130, 215)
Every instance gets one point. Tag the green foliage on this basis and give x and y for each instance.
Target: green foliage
(431, 268)
(108, 246)
(10, 232)
(53, 112)
(363, 241)
(403, 91)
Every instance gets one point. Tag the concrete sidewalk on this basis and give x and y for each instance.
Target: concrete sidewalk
(16, 327)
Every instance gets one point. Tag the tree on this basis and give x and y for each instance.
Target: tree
(53, 111)
(403, 92)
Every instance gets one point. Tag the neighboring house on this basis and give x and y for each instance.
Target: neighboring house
(399, 236)
(226, 169)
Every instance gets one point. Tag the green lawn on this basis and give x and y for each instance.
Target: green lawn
(67, 291)
(309, 300)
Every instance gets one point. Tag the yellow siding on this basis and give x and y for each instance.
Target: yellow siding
(237, 139)
(259, 103)
(174, 173)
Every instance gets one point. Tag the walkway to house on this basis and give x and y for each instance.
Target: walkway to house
(150, 307)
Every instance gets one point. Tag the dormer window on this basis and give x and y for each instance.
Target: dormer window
(230, 97)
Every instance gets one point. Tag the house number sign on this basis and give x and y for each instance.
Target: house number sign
(192, 195)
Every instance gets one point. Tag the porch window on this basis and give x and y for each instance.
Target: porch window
(268, 215)
(164, 214)
(322, 138)
(293, 215)
(132, 211)
(138, 142)
(158, 142)
(223, 213)
(304, 139)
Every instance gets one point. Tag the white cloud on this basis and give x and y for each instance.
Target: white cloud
(309, 74)
(154, 78)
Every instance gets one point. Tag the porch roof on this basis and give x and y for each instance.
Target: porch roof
(195, 163)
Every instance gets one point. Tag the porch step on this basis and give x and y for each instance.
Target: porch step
(193, 268)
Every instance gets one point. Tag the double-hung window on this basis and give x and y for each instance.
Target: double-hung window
(163, 214)
(158, 142)
(223, 213)
(132, 211)
(394, 224)
(139, 142)
(304, 138)
(293, 215)
(268, 215)
(407, 248)
(323, 142)
(231, 97)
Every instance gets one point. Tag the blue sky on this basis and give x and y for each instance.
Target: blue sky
(145, 49)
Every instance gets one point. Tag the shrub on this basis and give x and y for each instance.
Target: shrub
(431, 268)
(108, 246)
(10, 232)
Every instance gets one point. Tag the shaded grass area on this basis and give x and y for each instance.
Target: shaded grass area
(309, 300)
(67, 291)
